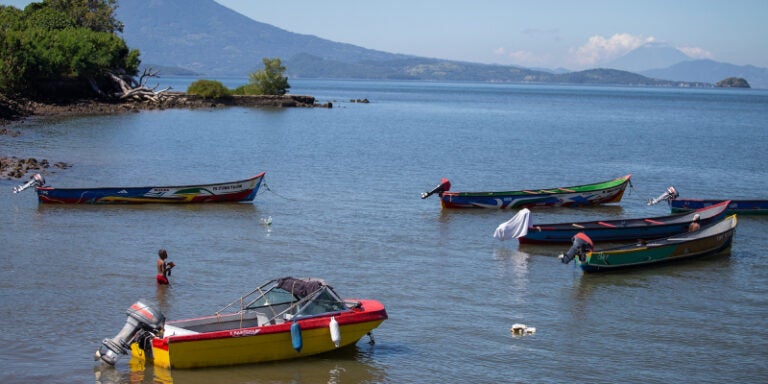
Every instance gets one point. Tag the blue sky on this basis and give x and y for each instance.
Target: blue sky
(532, 33)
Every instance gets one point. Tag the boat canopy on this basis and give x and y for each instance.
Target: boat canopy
(300, 287)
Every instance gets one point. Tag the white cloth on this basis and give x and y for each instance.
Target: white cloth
(516, 227)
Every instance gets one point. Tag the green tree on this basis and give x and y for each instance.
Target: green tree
(62, 41)
(96, 15)
(10, 18)
(18, 65)
(211, 89)
(270, 80)
(38, 15)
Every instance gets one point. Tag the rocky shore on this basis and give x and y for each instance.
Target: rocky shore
(15, 111)
(16, 168)
(12, 110)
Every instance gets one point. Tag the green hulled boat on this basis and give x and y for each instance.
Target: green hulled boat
(713, 239)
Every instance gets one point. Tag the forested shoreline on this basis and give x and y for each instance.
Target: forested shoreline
(65, 57)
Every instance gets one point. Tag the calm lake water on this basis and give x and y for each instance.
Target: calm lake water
(343, 193)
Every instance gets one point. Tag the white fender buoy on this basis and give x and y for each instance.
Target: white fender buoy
(335, 332)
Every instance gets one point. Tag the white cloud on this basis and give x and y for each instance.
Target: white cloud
(697, 53)
(599, 49)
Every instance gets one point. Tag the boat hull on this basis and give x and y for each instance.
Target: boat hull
(235, 191)
(576, 196)
(262, 344)
(742, 207)
(623, 230)
(715, 239)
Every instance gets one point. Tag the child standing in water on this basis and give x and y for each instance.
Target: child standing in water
(163, 267)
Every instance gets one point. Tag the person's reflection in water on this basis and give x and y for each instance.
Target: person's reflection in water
(163, 295)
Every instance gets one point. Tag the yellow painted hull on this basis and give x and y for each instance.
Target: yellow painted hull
(251, 349)
(259, 344)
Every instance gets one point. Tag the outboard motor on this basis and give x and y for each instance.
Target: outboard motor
(581, 245)
(143, 323)
(444, 186)
(37, 180)
(669, 194)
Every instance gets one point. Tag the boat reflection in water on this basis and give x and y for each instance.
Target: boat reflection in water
(346, 365)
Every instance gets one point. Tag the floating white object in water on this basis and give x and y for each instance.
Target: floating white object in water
(266, 220)
(522, 329)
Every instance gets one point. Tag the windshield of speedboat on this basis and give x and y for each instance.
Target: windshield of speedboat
(322, 301)
(273, 299)
(274, 295)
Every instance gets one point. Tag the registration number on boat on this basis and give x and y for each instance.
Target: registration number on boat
(228, 187)
(243, 332)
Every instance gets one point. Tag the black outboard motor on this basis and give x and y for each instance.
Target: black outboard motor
(143, 323)
(581, 245)
(37, 180)
(669, 194)
(444, 186)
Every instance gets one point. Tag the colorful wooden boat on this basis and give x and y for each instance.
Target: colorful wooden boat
(713, 239)
(739, 206)
(742, 207)
(623, 229)
(232, 191)
(581, 195)
(282, 319)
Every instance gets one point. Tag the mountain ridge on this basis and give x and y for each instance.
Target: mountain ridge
(205, 26)
(649, 56)
(210, 39)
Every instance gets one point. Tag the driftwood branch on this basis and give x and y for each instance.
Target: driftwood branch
(147, 75)
(131, 88)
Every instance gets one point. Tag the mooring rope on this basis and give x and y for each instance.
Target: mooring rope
(637, 193)
(266, 188)
(633, 189)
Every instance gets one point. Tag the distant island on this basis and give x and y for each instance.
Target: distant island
(733, 82)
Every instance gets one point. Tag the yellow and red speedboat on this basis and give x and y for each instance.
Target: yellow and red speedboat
(282, 319)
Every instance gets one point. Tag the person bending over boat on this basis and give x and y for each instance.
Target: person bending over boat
(695, 224)
(163, 267)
